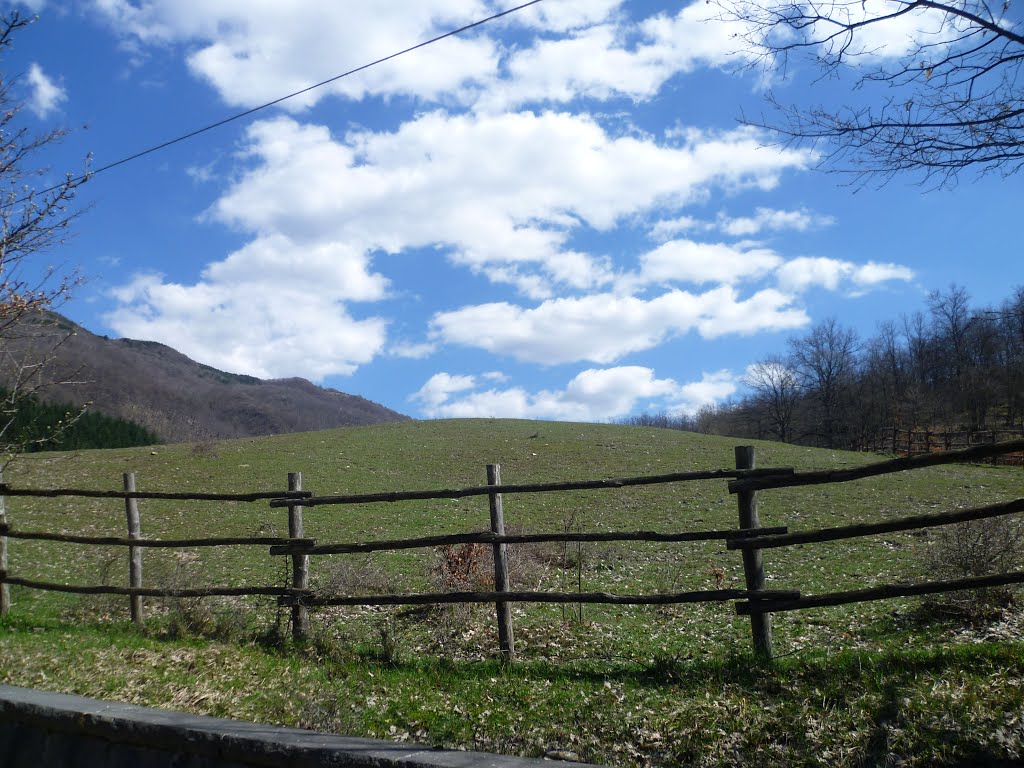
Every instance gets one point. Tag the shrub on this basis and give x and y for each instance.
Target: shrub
(975, 548)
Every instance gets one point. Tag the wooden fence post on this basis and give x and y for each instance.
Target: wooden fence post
(300, 563)
(753, 566)
(5, 591)
(506, 640)
(131, 508)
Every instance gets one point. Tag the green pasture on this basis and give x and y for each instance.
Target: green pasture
(618, 685)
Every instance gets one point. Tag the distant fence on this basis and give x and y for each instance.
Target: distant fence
(745, 481)
(915, 441)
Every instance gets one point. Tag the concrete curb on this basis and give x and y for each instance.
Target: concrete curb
(40, 729)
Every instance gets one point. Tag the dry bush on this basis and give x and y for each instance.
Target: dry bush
(353, 575)
(464, 567)
(974, 548)
(102, 607)
(227, 618)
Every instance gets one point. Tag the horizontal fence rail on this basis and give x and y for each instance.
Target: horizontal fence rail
(104, 589)
(295, 546)
(870, 529)
(486, 490)
(120, 541)
(885, 592)
(669, 598)
(828, 476)
(7, 490)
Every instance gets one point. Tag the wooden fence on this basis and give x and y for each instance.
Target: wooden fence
(915, 441)
(745, 481)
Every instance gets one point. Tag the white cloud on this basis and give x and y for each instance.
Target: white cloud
(602, 328)
(319, 208)
(615, 58)
(567, 15)
(874, 273)
(595, 394)
(440, 387)
(699, 263)
(764, 219)
(412, 350)
(772, 220)
(666, 229)
(895, 37)
(712, 388)
(254, 51)
(459, 182)
(803, 273)
(273, 308)
(46, 96)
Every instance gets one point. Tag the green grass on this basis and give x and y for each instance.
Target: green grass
(633, 685)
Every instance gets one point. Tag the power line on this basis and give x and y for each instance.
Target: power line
(84, 177)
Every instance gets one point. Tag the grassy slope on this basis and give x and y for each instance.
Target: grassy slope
(622, 686)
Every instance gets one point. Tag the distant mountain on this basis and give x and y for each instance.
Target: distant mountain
(181, 400)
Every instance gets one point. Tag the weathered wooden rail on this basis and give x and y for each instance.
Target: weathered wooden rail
(745, 481)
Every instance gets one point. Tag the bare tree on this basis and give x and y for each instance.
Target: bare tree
(31, 223)
(776, 389)
(825, 359)
(938, 81)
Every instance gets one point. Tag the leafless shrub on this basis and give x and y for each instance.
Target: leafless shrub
(353, 575)
(221, 617)
(101, 607)
(975, 548)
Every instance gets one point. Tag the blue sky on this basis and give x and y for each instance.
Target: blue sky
(555, 216)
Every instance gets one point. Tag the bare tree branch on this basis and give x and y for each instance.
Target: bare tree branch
(951, 70)
(30, 224)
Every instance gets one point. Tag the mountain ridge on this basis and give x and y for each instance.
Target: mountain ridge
(180, 399)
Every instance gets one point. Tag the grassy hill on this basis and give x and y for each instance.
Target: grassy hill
(632, 686)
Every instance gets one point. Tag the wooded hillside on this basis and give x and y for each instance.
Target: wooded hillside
(951, 368)
(178, 399)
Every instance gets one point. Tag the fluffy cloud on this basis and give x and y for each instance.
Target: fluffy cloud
(458, 181)
(567, 15)
(804, 273)
(438, 183)
(596, 394)
(532, 200)
(254, 51)
(46, 96)
(617, 58)
(763, 220)
(699, 263)
(259, 313)
(602, 328)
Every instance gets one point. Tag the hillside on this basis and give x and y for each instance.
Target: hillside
(179, 399)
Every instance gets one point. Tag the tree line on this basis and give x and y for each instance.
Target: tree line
(948, 368)
(34, 426)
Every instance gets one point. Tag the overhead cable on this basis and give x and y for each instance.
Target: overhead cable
(184, 137)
